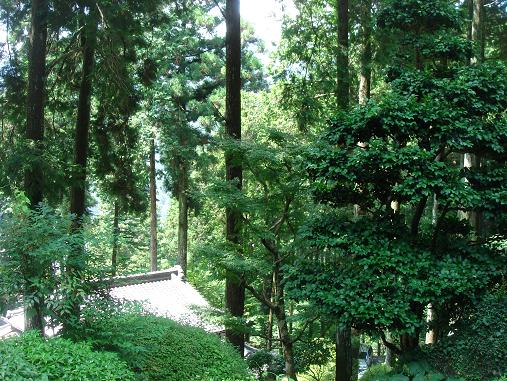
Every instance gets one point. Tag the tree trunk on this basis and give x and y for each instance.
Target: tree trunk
(183, 220)
(281, 318)
(34, 175)
(78, 188)
(234, 287)
(409, 342)
(343, 336)
(431, 335)
(269, 331)
(470, 10)
(342, 58)
(153, 208)
(116, 233)
(475, 217)
(286, 340)
(343, 354)
(477, 30)
(366, 52)
(355, 347)
(269, 343)
(389, 360)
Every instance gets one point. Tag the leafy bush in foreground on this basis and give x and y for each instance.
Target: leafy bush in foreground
(32, 358)
(412, 371)
(478, 348)
(265, 364)
(376, 372)
(161, 349)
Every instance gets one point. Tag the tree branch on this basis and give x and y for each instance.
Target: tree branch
(220, 9)
(278, 224)
(261, 298)
(438, 226)
(66, 52)
(414, 228)
(307, 323)
(389, 345)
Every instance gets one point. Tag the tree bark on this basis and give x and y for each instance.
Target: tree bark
(343, 335)
(281, 318)
(78, 188)
(475, 217)
(183, 219)
(153, 208)
(234, 287)
(34, 175)
(431, 335)
(477, 30)
(342, 57)
(343, 354)
(366, 52)
(409, 342)
(269, 343)
(286, 340)
(476, 13)
(389, 360)
(116, 233)
(269, 331)
(355, 348)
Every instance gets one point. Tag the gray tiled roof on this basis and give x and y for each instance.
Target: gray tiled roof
(165, 293)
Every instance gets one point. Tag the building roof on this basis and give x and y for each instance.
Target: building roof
(7, 329)
(165, 293)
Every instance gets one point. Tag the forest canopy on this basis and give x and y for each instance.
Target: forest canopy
(337, 195)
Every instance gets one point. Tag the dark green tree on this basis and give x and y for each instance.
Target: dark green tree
(382, 269)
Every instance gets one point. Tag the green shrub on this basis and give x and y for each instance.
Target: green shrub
(32, 358)
(266, 365)
(376, 372)
(160, 349)
(478, 348)
(411, 371)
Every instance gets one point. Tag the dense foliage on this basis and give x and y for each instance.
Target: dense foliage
(380, 269)
(477, 349)
(160, 349)
(33, 358)
(346, 185)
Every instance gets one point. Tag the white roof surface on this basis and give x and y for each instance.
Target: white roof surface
(163, 293)
(172, 297)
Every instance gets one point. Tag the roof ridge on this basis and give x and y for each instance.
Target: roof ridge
(153, 276)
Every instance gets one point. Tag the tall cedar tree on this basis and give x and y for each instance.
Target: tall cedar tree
(116, 235)
(183, 216)
(234, 287)
(343, 334)
(342, 58)
(366, 51)
(153, 208)
(34, 176)
(476, 34)
(78, 186)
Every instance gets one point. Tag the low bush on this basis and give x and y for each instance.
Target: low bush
(411, 371)
(32, 358)
(477, 350)
(266, 365)
(159, 349)
(376, 372)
